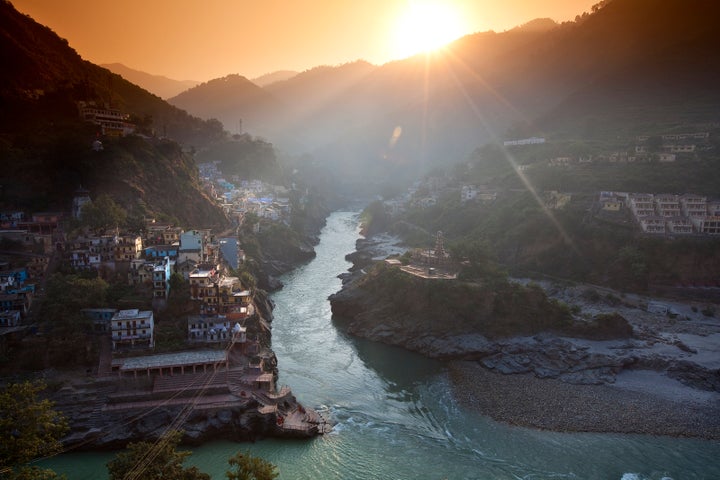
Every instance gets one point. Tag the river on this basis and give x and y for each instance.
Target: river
(395, 417)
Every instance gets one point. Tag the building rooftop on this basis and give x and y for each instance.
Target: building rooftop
(193, 357)
(132, 313)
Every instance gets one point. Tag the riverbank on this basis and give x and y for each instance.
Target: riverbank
(658, 375)
(550, 404)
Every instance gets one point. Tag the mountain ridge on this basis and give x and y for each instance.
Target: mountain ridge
(627, 55)
(159, 85)
(47, 149)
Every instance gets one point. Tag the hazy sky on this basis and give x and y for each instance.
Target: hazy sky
(205, 39)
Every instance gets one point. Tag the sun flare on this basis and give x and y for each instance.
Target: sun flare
(425, 26)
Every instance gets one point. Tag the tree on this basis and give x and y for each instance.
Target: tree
(244, 466)
(154, 461)
(29, 428)
(103, 214)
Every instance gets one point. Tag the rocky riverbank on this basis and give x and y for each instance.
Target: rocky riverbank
(653, 367)
(525, 400)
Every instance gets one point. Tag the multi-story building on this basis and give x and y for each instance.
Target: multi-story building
(679, 225)
(641, 204)
(233, 301)
(203, 287)
(201, 279)
(198, 246)
(203, 328)
(128, 247)
(652, 224)
(668, 206)
(132, 329)
(709, 225)
(219, 294)
(161, 278)
(693, 205)
(140, 272)
(92, 252)
(713, 209)
(162, 234)
(111, 121)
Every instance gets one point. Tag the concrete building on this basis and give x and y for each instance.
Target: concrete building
(132, 329)
(653, 224)
(161, 278)
(693, 205)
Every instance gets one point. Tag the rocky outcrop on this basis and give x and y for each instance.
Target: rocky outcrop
(462, 323)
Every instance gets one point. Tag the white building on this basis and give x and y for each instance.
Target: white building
(693, 205)
(652, 224)
(132, 329)
(161, 278)
(641, 204)
(213, 328)
(668, 206)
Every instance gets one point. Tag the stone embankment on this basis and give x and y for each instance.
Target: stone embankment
(109, 413)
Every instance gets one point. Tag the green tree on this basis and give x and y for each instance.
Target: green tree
(154, 461)
(29, 428)
(103, 214)
(244, 466)
(66, 296)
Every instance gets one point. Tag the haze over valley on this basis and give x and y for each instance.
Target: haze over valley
(360, 240)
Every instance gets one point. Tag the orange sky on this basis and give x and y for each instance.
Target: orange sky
(205, 39)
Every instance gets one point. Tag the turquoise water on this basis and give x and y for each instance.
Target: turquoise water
(395, 418)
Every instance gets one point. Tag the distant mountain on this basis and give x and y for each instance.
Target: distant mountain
(269, 78)
(163, 87)
(232, 99)
(41, 61)
(46, 148)
(627, 63)
(537, 25)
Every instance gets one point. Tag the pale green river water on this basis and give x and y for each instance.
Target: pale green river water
(395, 417)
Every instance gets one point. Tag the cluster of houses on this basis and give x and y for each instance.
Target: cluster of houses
(665, 148)
(147, 259)
(134, 329)
(16, 294)
(667, 213)
(239, 197)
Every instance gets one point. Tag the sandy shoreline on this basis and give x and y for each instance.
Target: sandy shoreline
(633, 406)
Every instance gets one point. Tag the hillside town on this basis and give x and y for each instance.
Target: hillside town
(226, 348)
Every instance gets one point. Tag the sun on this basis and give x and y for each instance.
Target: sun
(425, 26)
